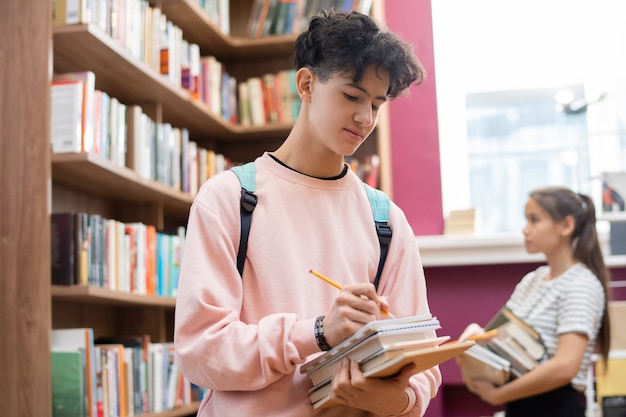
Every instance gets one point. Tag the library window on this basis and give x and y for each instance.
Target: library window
(529, 94)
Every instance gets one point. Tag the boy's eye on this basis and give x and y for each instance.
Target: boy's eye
(350, 97)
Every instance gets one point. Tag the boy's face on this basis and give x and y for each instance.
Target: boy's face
(343, 113)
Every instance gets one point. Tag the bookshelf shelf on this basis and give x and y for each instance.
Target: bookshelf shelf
(92, 294)
(199, 28)
(80, 47)
(48, 183)
(99, 177)
(186, 410)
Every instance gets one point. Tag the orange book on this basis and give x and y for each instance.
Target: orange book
(151, 260)
(260, 24)
(269, 98)
(117, 379)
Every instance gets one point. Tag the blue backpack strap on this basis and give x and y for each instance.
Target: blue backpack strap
(380, 209)
(247, 178)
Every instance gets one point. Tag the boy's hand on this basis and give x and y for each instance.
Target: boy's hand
(351, 388)
(355, 305)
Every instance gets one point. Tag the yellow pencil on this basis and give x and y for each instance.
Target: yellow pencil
(336, 285)
(485, 335)
(328, 280)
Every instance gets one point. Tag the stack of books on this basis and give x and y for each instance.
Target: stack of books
(510, 349)
(383, 348)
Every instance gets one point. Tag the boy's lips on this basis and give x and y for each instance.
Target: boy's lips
(355, 133)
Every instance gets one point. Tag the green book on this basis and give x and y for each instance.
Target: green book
(68, 384)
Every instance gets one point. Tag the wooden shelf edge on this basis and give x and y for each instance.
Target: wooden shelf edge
(76, 44)
(185, 410)
(99, 176)
(199, 28)
(88, 293)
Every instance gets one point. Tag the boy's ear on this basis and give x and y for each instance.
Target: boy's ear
(304, 83)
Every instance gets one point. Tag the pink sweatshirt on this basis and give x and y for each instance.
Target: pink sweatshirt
(241, 337)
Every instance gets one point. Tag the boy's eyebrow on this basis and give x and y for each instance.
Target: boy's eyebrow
(359, 87)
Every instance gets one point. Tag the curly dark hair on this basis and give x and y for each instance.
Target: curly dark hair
(349, 43)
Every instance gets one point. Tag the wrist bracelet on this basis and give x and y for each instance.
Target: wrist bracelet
(319, 334)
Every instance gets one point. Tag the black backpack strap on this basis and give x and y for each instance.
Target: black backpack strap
(380, 210)
(379, 203)
(247, 178)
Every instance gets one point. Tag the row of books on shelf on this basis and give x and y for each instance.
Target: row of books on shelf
(290, 17)
(382, 348)
(85, 119)
(509, 348)
(88, 249)
(367, 168)
(148, 36)
(114, 377)
(218, 12)
(138, 28)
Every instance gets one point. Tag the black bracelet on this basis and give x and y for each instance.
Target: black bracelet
(319, 334)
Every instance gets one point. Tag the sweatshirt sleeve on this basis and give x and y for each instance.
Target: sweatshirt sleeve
(405, 288)
(215, 349)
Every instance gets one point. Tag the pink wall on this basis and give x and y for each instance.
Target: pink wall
(414, 133)
(457, 295)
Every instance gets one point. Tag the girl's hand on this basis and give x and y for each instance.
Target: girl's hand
(485, 390)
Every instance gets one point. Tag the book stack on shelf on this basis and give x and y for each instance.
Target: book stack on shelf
(161, 47)
(508, 349)
(382, 348)
(146, 105)
(87, 120)
(461, 222)
(88, 249)
(114, 376)
(366, 168)
(290, 17)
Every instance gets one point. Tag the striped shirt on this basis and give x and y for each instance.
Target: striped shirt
(570, 303)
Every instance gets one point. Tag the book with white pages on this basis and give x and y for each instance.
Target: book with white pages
(479, 362)
(374, 335)
(386, 352)
(423, 358)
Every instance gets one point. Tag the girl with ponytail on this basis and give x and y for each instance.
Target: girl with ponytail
(564, 300)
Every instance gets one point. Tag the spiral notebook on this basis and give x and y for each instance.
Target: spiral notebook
(374, 336)
(424, 358)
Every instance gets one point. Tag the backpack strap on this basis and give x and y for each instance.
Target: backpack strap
(247, 178)
(380, 210)
(379, 202)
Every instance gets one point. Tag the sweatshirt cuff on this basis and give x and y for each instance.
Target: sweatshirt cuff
(412, 399)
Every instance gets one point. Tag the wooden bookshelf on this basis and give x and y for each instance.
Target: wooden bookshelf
(186, 410)
(198, 28)
(91, 294)
(42, 183)
(95, 175)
